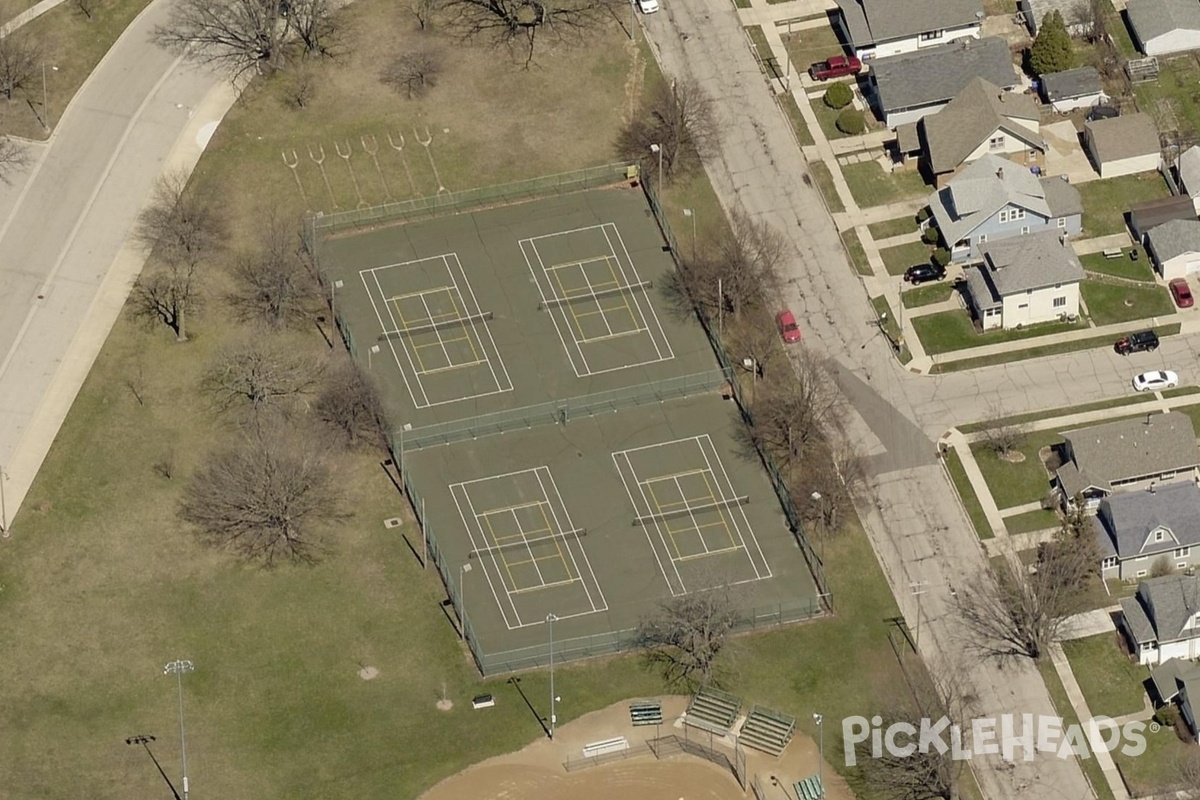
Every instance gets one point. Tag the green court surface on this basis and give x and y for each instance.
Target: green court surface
(563, 433)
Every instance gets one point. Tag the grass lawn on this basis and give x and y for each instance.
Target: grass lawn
(10, 8)
(1112, 303)
(806, 47)
(899, 258)
(1019, 419)
(1181, 391)
(1042, 350)
(858, 256)
(893, 227)
(824, 179)
(952, 330)
(1172, 100)
(762, 47)
(966, 491)
(827, 117)
(1106, 201)
(1110, 682)
(791, 110)
(891, 326)
(927, 295)
(1154, 772)
(73, 45)
(1123, 267)
(1062, 705)
(1114, 24)
(871, 186)
(1016, 483)
(1031, 521)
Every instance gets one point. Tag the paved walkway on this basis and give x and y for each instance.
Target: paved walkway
(1089, 623)
(1075, 695)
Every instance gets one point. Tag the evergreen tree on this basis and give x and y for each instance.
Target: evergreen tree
(1052, 50)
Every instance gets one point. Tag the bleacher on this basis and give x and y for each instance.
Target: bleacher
(713, 710)
(645, 712)
(810, 788)
(767, 730)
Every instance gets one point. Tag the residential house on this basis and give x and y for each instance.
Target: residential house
(1034, 11)
(1145, 217)
(1075, 88)
(1127, 453)
(1137, 529)
(1024, 280)
(981, 119)
(994, 198)
(1179, 680)
(1188, 170)
(1123, 145)
(906, 87)
(1174, 248)
(1163, 27)
(1162, 621)
(879, 28)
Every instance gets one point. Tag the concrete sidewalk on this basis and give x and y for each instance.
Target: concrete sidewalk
(1075, 695)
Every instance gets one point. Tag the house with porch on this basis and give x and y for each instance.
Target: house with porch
(1136, 530)
(1130, 453)
(1162, 621)
(994, 198)
(1024, 280)
(879, 28)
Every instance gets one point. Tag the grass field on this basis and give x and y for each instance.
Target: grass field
(970, 499)
(1062, 704)
(871, 186)
(952, 330)
(858, 256)
(1105, 202)
(1029, 521)
(791, 110)
(899, 258)
(1112, 303)
(927, 295)
(824, 180)
(810, 45)
(1014, 483)
(893, 227)
(1171, 100)
(1041, 350)
(1123, 267)
(1110, 682)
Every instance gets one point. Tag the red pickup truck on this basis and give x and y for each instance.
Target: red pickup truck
(835, 67)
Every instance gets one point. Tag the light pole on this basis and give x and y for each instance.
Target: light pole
(688, 212)
(462, 600)
(818, 718)
(333, 300)
(177, 668)
(817, 498)
(145, 741)
(550, 620)
(3, 507)
(654, 148)
(918, 589)
(372, 350)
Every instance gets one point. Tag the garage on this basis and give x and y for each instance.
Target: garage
(1174, 248)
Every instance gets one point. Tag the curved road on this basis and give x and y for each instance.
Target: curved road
(65, 263)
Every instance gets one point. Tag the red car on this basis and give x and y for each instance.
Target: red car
(1181, 292)
(788, 328)
(835, 67)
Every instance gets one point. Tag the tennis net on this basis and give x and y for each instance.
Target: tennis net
(528, 544)
(555, 302)
(663, 516)
(425, 327)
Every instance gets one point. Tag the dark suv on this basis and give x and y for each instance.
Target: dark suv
(924, 273)
(1137, 342)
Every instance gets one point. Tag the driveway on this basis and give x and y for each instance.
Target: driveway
(1064, 153)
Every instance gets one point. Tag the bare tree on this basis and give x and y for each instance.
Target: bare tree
(825, 484)
(796, 418)
(520, 25)
(414, 72)
(87, 7)
(1087, 16)
(737, 270)
(1003, 434)
(678, 117)
(688, 634)
(260, 373)
(169, 294)
(249, 35)
(349, 403)
(299, 86)
(275, 282)
(266, 498)
(13, 158)
(425, 11)
(21, 58)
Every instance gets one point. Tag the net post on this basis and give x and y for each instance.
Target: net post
(424, 538)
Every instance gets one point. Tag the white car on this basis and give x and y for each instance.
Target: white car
(1155, 381)
(647, 6)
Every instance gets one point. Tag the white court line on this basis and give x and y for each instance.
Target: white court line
(567, 233)
(486, 328)
(691, 516)
(496, 564)
(649, 538)
(474, 546)
(528, 549)
(637, 298)
(637, 279)
(391, 345)
(570, 527)
(437, 333)
(749, 527)
(596, 300)
(554, 311)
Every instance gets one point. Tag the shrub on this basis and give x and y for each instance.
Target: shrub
(851, 121)
(930, 236)
(1161, 567)
(923, 215)
(838, 96)
(1167, 716)
(941, 256)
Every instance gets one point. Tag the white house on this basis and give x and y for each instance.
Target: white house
(1075, 88)
(981, 119)
(1163, 27)
(1162, 621)
(1174, 248)
(1188, 168)
(1024, 280)
(879, 28)
(1123, 145)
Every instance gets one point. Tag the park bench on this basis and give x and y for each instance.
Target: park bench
(613, 745)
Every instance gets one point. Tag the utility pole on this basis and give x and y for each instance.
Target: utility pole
(550, 620)
(918, 589)
(177, 668)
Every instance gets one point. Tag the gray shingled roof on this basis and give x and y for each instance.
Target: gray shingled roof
(983, 294)
(1153, 18)
(1167, 676)
(1145, 217)
(1040, 8)
(991, 183)
(1129, 449)
(1168, 603)
(1073, 83)
(936, 74)
(970, 118)
(1128, 519)
(1189, 170)
(874, 21)
(1137, 621)
(1126, 136)
(1174, 238)
(1017, 264)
